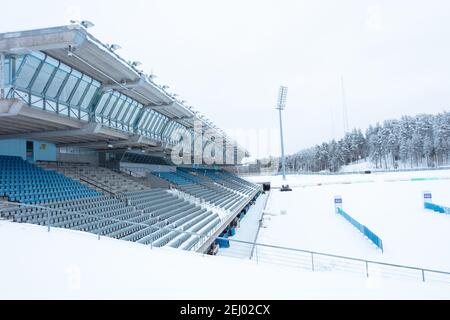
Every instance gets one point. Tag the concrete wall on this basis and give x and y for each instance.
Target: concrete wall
(14, 147)
(44, 151)
(84, 158)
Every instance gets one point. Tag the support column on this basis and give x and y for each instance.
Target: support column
(2, 76)
(283, 160)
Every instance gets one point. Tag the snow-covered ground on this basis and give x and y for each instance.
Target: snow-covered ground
(358, 166)
(364, 164)
(314, 180)
(65, 264)
(390, 204)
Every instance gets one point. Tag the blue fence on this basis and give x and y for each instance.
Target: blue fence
(362, 228)
(437, 208)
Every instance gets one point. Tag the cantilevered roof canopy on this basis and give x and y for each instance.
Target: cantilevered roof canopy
(74, 46)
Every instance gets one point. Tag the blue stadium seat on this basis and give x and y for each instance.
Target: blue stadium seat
(21, 181)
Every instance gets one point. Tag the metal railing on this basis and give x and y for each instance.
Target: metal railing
(319, 261)
(75, 172)
(265, 254)
(260, 222)
(52, 220)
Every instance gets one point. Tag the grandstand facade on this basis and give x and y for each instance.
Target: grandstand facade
(86, 141)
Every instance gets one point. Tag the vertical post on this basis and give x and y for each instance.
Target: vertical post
(427, 198)
(423, 275)
(281, 104)
(312, 261)
(98, 229)
(48, 220)
(283, 160)
(367, 269)
(337, 203)
(203, 253)
(2, 76)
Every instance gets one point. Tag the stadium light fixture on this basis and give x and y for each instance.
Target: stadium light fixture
(114, 47)
(281, 104)
(70, 51)
(87, 24)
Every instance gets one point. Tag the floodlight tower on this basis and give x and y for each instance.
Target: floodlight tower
(281, 104)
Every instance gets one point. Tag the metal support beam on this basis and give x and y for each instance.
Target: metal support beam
(283, 160)
(2, 76)
(138, 118)
(163, 129)
(50, 79)
(36, 74)
(93, 105)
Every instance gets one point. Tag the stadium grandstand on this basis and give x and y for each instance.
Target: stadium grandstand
(86, 140)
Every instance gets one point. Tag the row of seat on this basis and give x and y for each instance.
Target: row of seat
(173, 177)
(154, 224)
(132, 211)
(98, 177)
(223, 178)
(21, 181)
(212, 186)
(158, 204)
(228, 180)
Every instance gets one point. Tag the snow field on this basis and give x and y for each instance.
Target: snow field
(65, 264)
(393, 210)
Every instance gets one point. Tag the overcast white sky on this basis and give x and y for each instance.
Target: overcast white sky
(227, 58)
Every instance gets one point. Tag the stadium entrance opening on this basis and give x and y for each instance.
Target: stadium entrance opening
(30, 151)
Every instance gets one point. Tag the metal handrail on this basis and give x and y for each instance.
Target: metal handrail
(78, 175)
(87, 179)
(255, 244)
(90, 216)
(259, 225)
